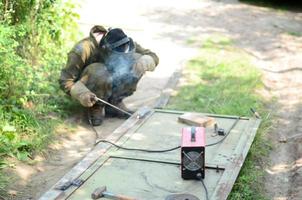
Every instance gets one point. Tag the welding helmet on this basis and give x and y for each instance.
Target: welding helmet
(116, 40)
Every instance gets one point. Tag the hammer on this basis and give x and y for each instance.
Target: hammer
(102, 192)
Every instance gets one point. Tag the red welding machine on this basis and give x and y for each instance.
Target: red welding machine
(193, 153)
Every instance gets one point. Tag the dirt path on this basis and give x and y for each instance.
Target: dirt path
(165, 27)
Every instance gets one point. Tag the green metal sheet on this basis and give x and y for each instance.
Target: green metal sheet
(153, 176)
(143, 180)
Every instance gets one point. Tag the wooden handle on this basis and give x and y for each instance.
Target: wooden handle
(122, 197)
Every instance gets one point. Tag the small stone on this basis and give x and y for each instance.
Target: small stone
(12, 192)
(40, 169)
(282, 139)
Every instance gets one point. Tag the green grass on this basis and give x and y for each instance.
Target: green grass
(293, 33)
(222, 80)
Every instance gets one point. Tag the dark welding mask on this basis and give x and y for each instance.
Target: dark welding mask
(119, 61)
(116, 40)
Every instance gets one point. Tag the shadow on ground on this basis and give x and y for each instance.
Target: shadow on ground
(289, 5)
(261, 32)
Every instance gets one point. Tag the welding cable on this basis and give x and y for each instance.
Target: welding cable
(205, 189)
(222, 139)
(136, 149)
(130, 149)
(164, 150)
(198, 176)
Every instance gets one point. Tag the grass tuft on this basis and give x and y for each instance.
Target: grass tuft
(294, 33)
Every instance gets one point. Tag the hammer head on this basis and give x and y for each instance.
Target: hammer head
(98, 192)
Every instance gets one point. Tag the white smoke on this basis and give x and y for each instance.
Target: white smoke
(120, 66)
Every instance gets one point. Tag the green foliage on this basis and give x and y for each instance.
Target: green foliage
(34, 38)
(13, 66)
(222, 81)
(40, 26)
(3, 182)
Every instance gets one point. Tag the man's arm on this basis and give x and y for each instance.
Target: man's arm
(146, 60)
(77, 59)
(139, 49)
(70, 75)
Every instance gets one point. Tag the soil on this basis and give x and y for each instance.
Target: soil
(273, 39)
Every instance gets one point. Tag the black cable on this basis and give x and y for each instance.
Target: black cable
(94, 130)
(135, 149)
(222, 139)
(198, 176)
(205, 189)
(165, 150)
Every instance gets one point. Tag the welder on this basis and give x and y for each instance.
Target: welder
(108, 64)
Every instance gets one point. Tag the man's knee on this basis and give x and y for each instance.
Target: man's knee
(97, 79)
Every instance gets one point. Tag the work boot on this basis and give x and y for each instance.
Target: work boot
(95, 114)
(112, 112)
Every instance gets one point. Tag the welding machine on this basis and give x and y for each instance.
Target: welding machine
(193, 153)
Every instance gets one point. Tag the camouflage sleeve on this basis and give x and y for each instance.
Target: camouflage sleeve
(77, 59)
(139, 49)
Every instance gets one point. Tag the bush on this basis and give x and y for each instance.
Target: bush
(33, 45)
(12, 68)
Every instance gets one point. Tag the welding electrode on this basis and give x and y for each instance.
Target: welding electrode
(113, 106)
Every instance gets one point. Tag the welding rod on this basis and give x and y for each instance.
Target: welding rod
(113, 106)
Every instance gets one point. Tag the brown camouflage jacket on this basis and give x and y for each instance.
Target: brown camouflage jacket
(86, 52)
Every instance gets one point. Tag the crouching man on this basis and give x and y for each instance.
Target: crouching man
(108, 64)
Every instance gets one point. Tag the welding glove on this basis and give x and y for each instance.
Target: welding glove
(80, 92)
(144, 63)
